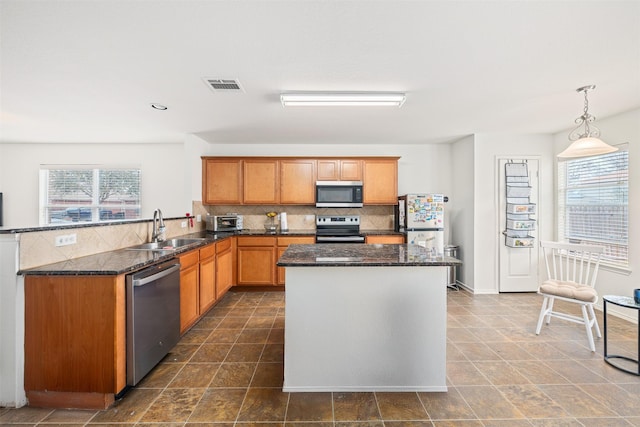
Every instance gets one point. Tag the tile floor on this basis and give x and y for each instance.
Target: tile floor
(227, 371)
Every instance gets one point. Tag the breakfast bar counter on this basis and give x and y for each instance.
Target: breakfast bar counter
(364, 317)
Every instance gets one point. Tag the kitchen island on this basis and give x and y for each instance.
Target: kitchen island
(365, 318)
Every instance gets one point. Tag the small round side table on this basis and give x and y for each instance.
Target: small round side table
(627, 302)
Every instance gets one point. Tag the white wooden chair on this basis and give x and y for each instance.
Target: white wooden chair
(571, 275)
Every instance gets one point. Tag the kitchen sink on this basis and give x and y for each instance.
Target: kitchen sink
(167, 245)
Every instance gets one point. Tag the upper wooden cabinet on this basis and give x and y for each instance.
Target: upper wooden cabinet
(261, 183)
(291, 180)
(339, 170)
(297, 182)
(380, 181)
(222, 181)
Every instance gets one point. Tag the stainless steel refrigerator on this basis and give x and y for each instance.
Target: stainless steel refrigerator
(421, 218)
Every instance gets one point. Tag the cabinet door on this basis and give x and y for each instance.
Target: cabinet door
(328, 169)
(390, 239)
(351, 170)
(224, 272)
(297, 182)
(207, 282)
(222, 181)
(189, 277)
(339, 170)
(261, 182)
(283, 244)
(380, 181)
(280, 271)
(256, 265)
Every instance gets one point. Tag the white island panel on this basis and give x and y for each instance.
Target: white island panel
(365, 329)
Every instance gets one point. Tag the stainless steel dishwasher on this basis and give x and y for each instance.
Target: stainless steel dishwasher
(153, 317)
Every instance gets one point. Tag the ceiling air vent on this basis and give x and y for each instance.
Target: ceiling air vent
(223, 85)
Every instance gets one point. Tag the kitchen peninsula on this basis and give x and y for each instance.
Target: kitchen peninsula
(365, 318)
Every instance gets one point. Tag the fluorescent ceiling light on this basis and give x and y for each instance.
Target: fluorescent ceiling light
(330, 99)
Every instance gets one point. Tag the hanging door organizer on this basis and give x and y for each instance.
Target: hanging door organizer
(519, 207)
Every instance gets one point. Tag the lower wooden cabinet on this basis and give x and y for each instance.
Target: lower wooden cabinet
(283, 244)
(207, 285)
(75, 340)
(385, 239)
(224, 266)
(189, 292)
(256, 260)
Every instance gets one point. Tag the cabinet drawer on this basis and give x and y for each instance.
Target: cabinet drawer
(286, 241)
(256, 241)
(188, 259)
(208, 251)
(223, 246)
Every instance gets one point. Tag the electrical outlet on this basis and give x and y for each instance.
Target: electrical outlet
(183, 224)
(198, 218)
(66, 239)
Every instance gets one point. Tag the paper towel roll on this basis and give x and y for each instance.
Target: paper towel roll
(283, 221)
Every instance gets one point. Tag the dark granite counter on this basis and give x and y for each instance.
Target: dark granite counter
(359, 255)
(120, 261)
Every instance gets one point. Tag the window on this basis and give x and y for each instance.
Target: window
(88, 193)
(593, 203)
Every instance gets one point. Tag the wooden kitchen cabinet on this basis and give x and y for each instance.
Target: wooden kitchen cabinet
(380, 181)
(261, 181)
(283, 244)
(224, 266)
(222, 181)
(189, 292)
(256, 260)
(75, 340)
(207, 283)
(298, 182)
(291, 181)
(385, 239)
(339, 170)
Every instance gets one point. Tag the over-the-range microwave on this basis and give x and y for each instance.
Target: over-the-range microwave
(339, 194)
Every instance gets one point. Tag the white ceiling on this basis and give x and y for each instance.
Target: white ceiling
(87, 71)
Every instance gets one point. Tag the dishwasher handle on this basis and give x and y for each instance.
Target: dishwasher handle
(154, 273)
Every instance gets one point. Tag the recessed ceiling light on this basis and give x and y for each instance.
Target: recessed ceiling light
(158, 107)
(329, 99)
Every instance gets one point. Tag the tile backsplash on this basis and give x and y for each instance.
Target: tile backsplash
(304, 217)
(38, 248)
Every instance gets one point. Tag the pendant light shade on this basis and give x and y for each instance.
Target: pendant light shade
(585, 135)
(585, 147)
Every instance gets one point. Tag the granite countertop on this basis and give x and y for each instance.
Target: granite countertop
(359, 255)
(120, 261)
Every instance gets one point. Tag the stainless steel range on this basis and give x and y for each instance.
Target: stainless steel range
(338, 229)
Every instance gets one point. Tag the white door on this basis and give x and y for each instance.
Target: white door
(518, 271)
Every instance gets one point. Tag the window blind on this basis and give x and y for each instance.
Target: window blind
(73, 193)
(593, 203)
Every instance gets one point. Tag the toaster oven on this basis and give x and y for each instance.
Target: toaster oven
(229, 222)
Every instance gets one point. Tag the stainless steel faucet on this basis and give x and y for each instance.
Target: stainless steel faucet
(158, 227)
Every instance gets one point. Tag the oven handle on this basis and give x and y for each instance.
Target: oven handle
(154, 273)
(355, 239)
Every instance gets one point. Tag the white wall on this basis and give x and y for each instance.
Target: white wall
(615, 130)
(462, 213)
(163, 178)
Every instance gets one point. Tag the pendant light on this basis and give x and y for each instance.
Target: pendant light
(585, 135)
